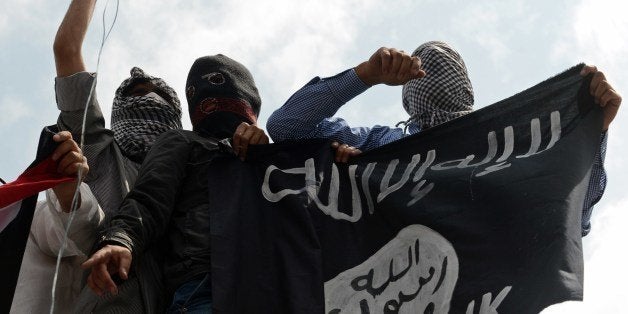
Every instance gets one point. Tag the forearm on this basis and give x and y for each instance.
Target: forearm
(365, 75)
(72, 95)
(301, 116)
(65, 194)
(50, 223)
(70, 36)
(145, 213)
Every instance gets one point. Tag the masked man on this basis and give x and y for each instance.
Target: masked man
(169, 204)
(436, 89)
(144, 107)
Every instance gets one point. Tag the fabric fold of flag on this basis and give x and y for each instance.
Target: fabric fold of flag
(482, 213)
(17, 205)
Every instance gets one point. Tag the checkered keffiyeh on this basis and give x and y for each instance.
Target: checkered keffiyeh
(137, 121)
(444, 93)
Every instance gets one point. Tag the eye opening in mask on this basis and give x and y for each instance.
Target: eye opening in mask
(139, 87)
(215, 78)
(142, 87)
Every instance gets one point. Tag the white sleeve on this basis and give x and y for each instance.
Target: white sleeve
(50, 222)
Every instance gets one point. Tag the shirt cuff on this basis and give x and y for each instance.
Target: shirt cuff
(72, 91)
(346, 85)
(87, 209)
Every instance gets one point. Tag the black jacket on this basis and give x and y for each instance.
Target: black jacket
(168, 206)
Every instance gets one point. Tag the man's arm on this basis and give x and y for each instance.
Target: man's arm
(50, 222)
(73, 86)
(70, 36)
(144, 214)
(307, 114)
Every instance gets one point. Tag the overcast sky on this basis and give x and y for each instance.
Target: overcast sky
(507, 46)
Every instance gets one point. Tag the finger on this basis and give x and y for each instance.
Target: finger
(105, 280)
(256, 137)
(237, 137)
(340, 153)
(100, 277)
(346, 154)
(417, 72)
(70, 163)
(609, 97)
(62, 136)
(95, 259)
(63, 148)
(85, 167)
(356, 152)
(603, 94)
(264, 139)
(397, 59)
(405, 70)
(72, 167)
(386, 59)
(588, 69)
(600, 90)
(244, 142)
(125, 265)
(597, 79)
(610, 112)
(93, 286)
(352, 152)
(335, 144)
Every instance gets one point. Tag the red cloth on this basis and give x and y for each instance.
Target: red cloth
(35, 179)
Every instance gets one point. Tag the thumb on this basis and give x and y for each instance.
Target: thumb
(123, 268)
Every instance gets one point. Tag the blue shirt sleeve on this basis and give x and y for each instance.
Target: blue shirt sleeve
(309, 114)
(597, 184)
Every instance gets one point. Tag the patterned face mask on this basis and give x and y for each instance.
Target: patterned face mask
(136, 121)
(444, 93)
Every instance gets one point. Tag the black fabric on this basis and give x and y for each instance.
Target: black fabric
(13, 238)
(221, 124)
(458, 221)
(222, 77)
(168, 207)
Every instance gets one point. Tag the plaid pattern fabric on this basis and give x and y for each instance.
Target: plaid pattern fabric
(597, 185)
(136, 121)
(444, 93)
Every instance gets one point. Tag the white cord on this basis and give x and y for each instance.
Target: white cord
(73, 208)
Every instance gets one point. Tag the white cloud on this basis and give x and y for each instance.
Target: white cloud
(283, 43)
(26, 18)
(13, 110)
(597, 36)
(4, 24)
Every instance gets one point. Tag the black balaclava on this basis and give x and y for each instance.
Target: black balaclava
(136, 121)
(444, 93)
(221, 94)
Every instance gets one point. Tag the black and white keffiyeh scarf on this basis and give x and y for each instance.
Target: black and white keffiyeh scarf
(444, 93)
(136, 121)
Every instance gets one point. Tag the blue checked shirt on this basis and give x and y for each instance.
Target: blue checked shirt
(309, 113)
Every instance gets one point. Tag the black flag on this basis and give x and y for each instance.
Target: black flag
(478, 215)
